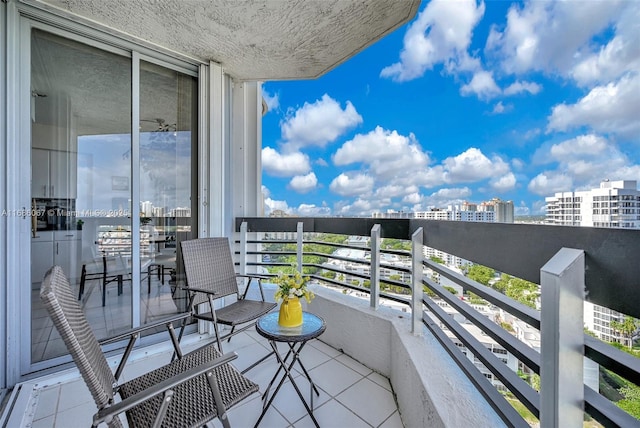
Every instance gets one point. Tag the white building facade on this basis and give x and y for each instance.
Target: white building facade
(615, 204)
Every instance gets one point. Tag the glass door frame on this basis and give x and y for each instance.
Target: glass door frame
(18, 296)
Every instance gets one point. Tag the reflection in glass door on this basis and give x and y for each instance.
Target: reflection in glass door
(168, 143)
(80, 131)
(114, 203)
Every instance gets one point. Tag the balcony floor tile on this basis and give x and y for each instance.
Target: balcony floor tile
(351, 395)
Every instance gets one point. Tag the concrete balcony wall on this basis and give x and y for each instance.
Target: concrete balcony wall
(430, 388)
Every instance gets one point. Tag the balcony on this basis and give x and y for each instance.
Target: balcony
(571, 265)
(405, 344)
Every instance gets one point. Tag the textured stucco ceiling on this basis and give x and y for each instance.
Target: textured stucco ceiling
(253, 39)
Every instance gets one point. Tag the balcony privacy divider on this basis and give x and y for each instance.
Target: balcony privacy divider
(566, 261)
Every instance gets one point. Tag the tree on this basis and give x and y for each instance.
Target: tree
(481, 274)
(450, 289)
(626, 328)
(631, 401)
(329, 274)
(437, 260)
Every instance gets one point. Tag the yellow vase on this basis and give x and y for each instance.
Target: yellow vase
(290, 312)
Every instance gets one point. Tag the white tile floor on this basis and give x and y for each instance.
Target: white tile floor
(351, 395)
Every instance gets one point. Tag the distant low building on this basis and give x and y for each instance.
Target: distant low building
(392, 214)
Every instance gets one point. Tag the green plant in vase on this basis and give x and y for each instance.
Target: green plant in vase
(291, 287)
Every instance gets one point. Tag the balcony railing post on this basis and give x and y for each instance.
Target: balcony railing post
(562, 340)
(243, 248)
(416, 275)
(375, 266)
(300, 232)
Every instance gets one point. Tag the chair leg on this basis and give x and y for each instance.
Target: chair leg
(231, 333)
(215, 328)
(215, 324)
(104, 281)
(83, 278)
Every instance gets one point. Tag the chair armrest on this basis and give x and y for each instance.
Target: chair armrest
(106, 414)
(200, 290)
(129, 333)
(242, 275)
(134, 334)
(253, 276)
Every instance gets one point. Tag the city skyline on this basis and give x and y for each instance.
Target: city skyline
(469, 101)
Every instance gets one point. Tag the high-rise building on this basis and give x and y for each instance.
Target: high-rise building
(504, 211)
(180, 212)
(615, 204)
(146, 208)
(158, 211)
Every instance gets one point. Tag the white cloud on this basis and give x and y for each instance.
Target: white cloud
(581, 163)
(473, 165)
(519, 86)
(547, 183)
(498, 108)
(271, 205)
(318, 123)
(393, 190)
(505, 183)
(321, 162)
(448, 196)
(581, 145)
(284, 165)
(517, 164)
(522, 209)
(412, 198)
(351, 184)
(620, 55)
(312, 210)
(441, 34)
(304, 183)
(549, 36)
(387, 153)
(607, 109)
(482, 85)
(272, 101)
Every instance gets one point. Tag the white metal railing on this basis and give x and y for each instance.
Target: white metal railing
(561, 401)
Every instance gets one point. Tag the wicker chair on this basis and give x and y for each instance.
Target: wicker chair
(188, 392)
(211, 275)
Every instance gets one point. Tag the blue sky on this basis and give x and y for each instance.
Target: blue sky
(469, 101)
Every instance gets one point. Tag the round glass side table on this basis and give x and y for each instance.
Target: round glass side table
(295, 337)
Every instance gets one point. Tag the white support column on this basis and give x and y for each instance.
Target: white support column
(246, 146)
(375, 267)
(217, 190)
(300, 231)
(417, 272)
(562, 337)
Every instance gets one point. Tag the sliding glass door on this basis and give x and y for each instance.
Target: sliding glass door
(113, 170)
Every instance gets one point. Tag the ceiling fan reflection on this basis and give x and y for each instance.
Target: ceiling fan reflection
(162, 125)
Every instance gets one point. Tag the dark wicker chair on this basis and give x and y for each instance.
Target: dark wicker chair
(210, 273)
(188, 392)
